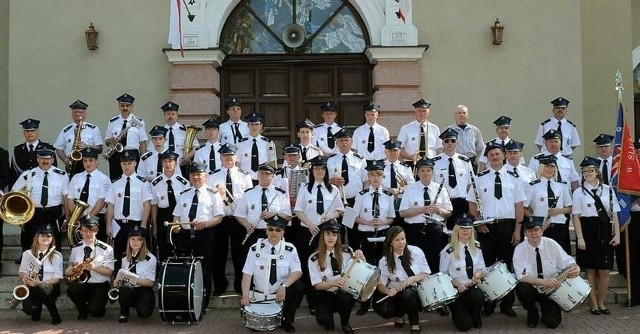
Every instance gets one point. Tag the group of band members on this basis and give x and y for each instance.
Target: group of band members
(219, 200)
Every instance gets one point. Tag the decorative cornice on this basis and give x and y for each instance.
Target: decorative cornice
(395, 53)
(200, 56)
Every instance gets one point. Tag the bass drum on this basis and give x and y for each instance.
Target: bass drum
(181, 292)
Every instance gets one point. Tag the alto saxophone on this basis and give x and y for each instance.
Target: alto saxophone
(117, 146)
(21, 292)
(78, 272)
(75, 154)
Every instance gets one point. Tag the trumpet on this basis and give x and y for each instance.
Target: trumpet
(21, 292)
(246, 237)
(72, 228)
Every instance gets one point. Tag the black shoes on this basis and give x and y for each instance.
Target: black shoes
(329, 327)
(487, 311)
(56, 321)
(348, 329)
(362, 311)
(532, 318)
(288, 328)
(509, 312)
(123, 319)
(596, 312)
(443, 311)
(605, 311)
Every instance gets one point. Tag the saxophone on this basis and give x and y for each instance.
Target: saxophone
(75, 154)
(78, 272)
(117, 146)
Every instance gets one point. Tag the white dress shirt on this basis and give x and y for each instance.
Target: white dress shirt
(203, 153)
(145, 268)
(512, 193)
(227, 131)
(357, 172)
(418, 265)
(410, 137)
(52, 265)
(461, 165)
(179, 132)
(100, 251)
(266, 149)
(414, 196)
(250, 205)
(58, 185)
(135, 135)
(537, 198)
(566, 168)
(361, 141)
(306, 202)
(364, 207)
(99, 185)
(240, 182)
(454, 263)
(139, 192)
(584, 204)
(209, 204)
(258, 264)
(316, 275)
(159, 189)
(554, 259)
(320, 134)
(90, 136)
(569, 134)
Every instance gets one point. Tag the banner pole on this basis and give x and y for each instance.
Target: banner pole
(628, 265)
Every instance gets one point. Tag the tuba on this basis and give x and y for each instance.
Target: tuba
(189, 136)
(76, 213)
(16, 208)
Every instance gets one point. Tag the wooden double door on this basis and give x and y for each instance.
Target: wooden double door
(287, 90)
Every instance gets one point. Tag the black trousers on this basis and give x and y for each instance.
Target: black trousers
(430, 238)
(229, 231)
(496, 246)
(558, 232)
(40, 295)
(41, 217)
(528, 296)
(120, 241)
(465, 311)
(89, 298)
(165, 249)
(329, 303)
(140, 298)
(304, 251)
(293, 297)
(460, 207)
(404, 302)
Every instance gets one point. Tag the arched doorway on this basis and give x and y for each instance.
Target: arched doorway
(286, 58)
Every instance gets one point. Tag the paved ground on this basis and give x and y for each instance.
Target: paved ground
(621, 320)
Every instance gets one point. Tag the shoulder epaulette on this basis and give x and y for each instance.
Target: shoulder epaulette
(59, 171)
(347, 249)
(288, 248)
(405, 164)
(76, 245)
(538, 156)
(449, 249)
(563, 182)
(477, 243)
(147, 257)
(281, 190)
(242, 139)
(331, 155)
(318, 126)
(513, 174)
(67, 128)
(89, 125)
(385, 191)
(570, 122)
(463, 158)
(534, 182)
(243, 171)
(146, 155)
(138, 118)
(250, 189)
(545, 122)
(156, 180)
(182, 180)
(201, 146)
(113, 119)
(184, 191)
(141, 178)
(117, 178)
(265, 139)
(102, 245)
(484, 172)
(182, 127)
(357, 155)
(214, 171)
(314, 257)
(364, 191)
(211, 190)
(254, 248)
(437, 158)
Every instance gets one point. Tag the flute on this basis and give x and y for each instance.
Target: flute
(322, 217)
(246, 237)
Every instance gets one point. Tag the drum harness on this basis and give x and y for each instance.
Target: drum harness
(266, 296)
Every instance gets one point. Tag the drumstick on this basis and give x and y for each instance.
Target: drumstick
(383, 298)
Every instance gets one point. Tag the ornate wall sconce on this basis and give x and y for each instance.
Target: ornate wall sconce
(92, 37)
(497, 30)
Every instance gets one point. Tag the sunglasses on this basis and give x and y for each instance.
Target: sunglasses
(450, 140)
(274, 229)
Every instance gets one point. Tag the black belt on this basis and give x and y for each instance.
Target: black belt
(128, 221)
(504, 220)
(47, 209)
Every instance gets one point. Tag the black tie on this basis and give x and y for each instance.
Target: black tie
(87, 254)
(194, 206)
(158, 165)
(41, 272)
(126, 207)
(273, 272)
(497, 192)
(334, 265)
(515, 171)
(468, 262)
(605, 172)
(171, 195)
(550, 196)
(375, 206)
(427, 199)
(84, 194)
(345, 169)
(331, 141)
(406, 266)
(229, 184)
(560, 131)
(539, 263)
(394, 178)
(453, 182)
(172, 141)
(423, 143)
(237, 136)
(212, 158)
(371, 140)
(559, 174)
(304, 154)
(319, 201)
(254, 156)
(263, 200)
(30, 148)
(44, 199)
(134, 261)
(124, 126)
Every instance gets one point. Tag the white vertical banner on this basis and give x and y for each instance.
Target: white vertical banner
(174, 28)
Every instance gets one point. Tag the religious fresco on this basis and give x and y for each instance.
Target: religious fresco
(256, 27)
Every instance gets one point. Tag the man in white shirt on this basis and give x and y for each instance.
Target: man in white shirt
(513, 151)
(470, 142)
(368, 138)
(559, 122)
(324, 132)
(89, 136)
(604, 148)
(420, 138)
(135, 137)
(176, 134)
(207, 153)
(234, 129)
(255, 149)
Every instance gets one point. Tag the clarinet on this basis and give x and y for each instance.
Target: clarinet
(246, 237)
(427, 217)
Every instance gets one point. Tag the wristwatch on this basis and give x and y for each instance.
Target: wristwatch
(283, 285)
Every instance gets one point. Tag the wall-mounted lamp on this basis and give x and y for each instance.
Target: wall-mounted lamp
(496, 31)
(92, 37)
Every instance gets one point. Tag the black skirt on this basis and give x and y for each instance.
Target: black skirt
(598, 253)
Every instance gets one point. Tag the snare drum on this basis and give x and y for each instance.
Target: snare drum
(436, 291)
(497, 282)
(261, 317)
(571, 293)
(360, 278)
(181, 292)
